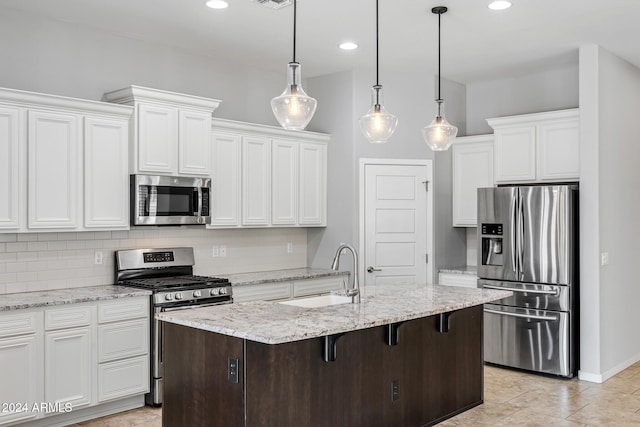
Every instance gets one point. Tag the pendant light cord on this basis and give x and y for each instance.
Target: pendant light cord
(439, 98)
(294, 30)
(377, 45)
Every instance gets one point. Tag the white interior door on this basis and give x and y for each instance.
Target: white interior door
(396, 221)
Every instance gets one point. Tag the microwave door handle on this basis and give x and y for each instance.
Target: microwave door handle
(197, 201)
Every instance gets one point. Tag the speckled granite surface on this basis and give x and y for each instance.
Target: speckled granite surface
(280, 276)
(467, 269)
(273, 323)
(67, 296)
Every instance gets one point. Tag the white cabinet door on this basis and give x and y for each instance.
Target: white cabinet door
(68, 367)
(21, 382)
(313, 184)
(123, 378)
(157, 139)
(284, 182)
(559, 150)
(11, 168)
(262, 292)
(256, 180)
(515, 154)
(194, 140)
(225, 180)
(106, 173)
(54, 170)
(472, 169)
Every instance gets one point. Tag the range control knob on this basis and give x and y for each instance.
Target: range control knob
(215, 291)
(168, 297)
(197, 294)
(223, 291)
(178, 295)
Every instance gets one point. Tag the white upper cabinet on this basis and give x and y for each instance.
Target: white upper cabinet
(172, 133)
(263, 176)
(63, 163)
(256, 180)
(106, 189)
(226, 179)
(472, 169)
(284, 182)
(54, 168)
(540, 147)
(313, 184)
(12, 167)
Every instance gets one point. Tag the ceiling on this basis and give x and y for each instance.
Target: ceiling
(477, 43)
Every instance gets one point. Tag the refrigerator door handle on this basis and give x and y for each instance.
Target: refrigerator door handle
(524, 316)
(513, 225)
(526, 291)
(520, 235)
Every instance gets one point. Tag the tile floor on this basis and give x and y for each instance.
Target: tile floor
(511, 399)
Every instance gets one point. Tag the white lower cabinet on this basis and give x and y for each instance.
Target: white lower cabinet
(21, 359)
(68, 365)
(458, 279)
(286, 290)
(72, 357)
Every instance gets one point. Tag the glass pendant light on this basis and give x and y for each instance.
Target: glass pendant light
(293, 108)
(377, 125)
(439, 134)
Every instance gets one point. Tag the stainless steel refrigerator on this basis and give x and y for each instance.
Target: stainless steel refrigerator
(527, 238)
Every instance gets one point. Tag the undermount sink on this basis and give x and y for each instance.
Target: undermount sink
(320, 301)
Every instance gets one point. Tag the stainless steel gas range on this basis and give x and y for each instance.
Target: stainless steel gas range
(168, 273)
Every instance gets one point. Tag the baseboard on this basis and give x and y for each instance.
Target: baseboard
(88, 413)
(600, 378)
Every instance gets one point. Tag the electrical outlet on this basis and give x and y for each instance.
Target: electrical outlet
(395, 390)
(98, 257)
(223, 250)
(289, 248)
(604, 258)
(216, 251)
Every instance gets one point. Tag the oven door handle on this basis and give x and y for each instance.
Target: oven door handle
(185, 307)
(524, 316)
(540, 292)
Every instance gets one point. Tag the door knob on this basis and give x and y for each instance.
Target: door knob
(372, 269)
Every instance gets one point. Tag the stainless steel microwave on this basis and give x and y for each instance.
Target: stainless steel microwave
(169, 200)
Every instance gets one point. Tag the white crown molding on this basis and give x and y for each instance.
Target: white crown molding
(133, 94)
(33, 99)
(525, 118)
(233, 125)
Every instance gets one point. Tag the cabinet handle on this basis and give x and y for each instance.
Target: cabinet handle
(371, 269)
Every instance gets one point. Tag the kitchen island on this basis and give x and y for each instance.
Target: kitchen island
(407, 355)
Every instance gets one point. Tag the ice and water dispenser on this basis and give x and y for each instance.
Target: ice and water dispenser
(491, 244)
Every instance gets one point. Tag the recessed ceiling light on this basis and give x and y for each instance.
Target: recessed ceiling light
(217, 4)
(348, 45)
(499, 5)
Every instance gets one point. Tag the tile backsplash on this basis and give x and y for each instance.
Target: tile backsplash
(44, 261)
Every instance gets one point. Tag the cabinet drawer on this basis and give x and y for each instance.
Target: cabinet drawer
(318, 286)
(123, 378)
(123, 309)
(455, 279)
(123, 339)
(265, 291)
(68, 317)
(18, 324)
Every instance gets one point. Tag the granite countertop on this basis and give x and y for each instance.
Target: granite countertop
(466, 269)
(280, 275)
(273, 323)
(67, 296)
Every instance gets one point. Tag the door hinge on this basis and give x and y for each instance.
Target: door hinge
(426, 258)
(426, 186)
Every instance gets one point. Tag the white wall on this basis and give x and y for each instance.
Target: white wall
(342, 99)
(553, 89)
(611, 291)
(44, 55)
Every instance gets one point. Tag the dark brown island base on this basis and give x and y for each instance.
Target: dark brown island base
(412, 372)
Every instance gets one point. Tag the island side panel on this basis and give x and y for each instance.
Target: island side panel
(291, 384)
(449, 363)
(197, 391)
